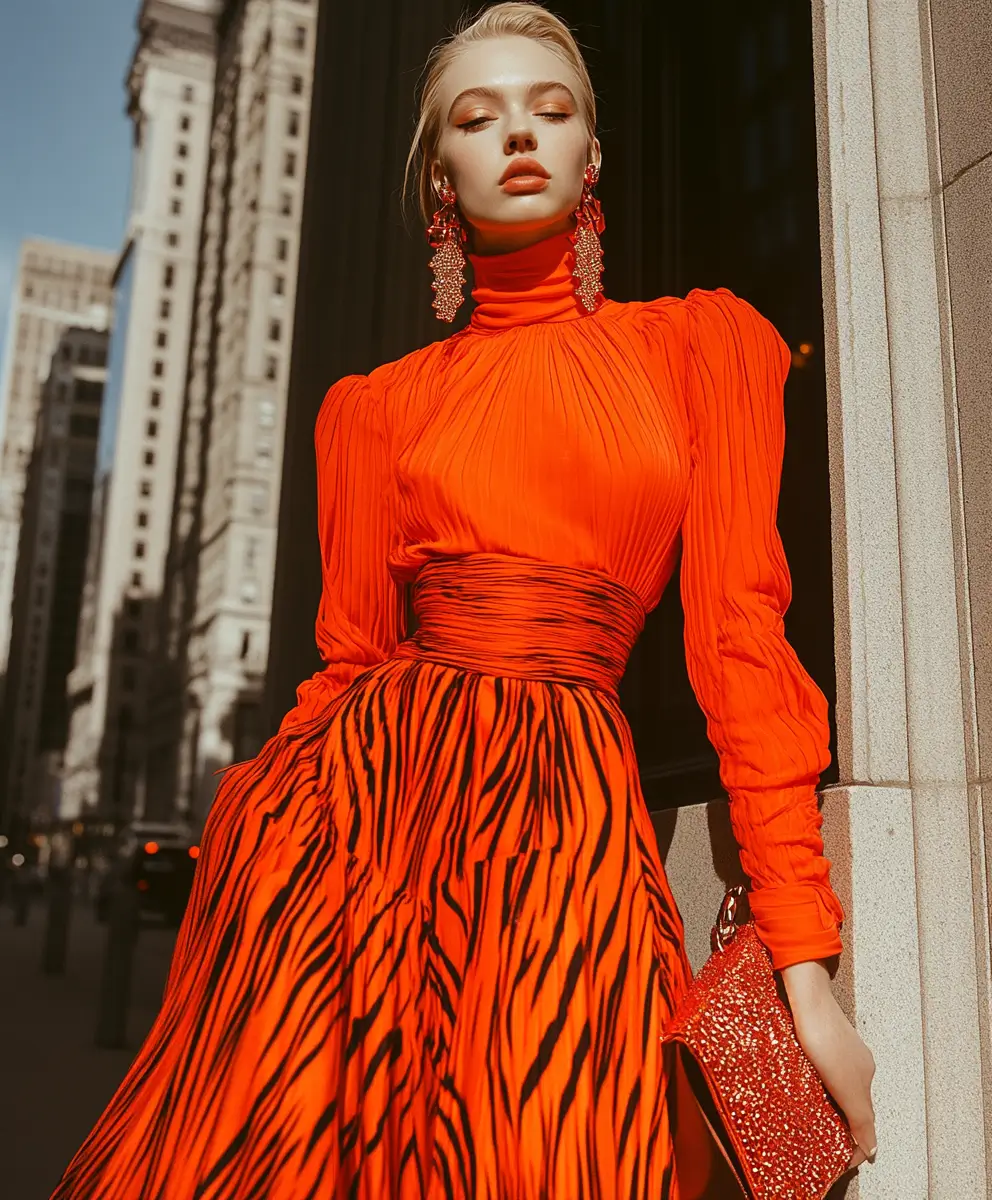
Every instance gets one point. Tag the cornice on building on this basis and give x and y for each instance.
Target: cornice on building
(166, 27)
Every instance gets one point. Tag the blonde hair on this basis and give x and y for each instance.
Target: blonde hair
(519, 18)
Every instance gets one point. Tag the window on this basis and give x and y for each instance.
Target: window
(142, 520)
(293, 124)
(289, 169)
(184, 123)
(266, 414)
(271, 367)
(172, 238)
(158, 368)
(182, 149)
(145, 487)
(133, 608)
(275, 330)
(131, 641)
(165, 308)
(245, 644)
(178, 178)
(278, 285)
(286, 205)
(161, 338)
(282, 249)
(136, 579)
(127, 679)
(149, 458)
(155, 399)
(258, 500)
(168, 275)
(175, 206)
(151, 429)
(296, 85)
(300, 37)
(139, 549)
(187, 94)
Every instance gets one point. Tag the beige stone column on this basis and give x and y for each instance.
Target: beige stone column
(906, 314)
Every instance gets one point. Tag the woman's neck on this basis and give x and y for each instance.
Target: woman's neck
(504, 239)
(521, 287)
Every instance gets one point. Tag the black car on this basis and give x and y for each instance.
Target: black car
(157, 862)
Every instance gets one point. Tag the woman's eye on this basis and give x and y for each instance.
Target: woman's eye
(477, 121)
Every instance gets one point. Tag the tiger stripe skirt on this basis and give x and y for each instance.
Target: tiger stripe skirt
(430, 944)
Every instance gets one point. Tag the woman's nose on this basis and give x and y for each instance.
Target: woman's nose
(520, 141)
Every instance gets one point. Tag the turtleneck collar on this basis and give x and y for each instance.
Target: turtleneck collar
(524, 286)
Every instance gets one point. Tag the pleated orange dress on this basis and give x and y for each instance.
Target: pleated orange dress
(431, 944)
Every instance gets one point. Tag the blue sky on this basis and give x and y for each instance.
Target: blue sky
(65, 141)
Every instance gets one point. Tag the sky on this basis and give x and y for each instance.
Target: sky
(65, 138)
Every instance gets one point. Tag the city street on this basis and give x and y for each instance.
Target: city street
(55, 1080)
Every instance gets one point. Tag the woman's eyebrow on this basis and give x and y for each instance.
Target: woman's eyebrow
(491, 93)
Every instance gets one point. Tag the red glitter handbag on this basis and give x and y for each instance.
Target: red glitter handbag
(736, 1054)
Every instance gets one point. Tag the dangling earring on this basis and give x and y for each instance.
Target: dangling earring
(589, 224)
(446, 235)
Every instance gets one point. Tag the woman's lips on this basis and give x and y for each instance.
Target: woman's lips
(524, 174)
(525, 183)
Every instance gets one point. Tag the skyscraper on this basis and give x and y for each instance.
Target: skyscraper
(170, 87)
(213, 634)
(56, 286)
(48, 581)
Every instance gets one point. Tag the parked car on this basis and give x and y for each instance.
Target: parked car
(157, 860)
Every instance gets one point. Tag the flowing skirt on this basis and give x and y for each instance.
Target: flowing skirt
(428, 953)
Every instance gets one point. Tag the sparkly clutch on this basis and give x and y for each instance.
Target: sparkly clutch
(779, 1132)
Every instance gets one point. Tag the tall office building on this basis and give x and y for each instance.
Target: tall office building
(170, 86)
(48, 581)
(213, 635)
(56, 286)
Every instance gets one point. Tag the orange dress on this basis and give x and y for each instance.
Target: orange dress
(431, 943)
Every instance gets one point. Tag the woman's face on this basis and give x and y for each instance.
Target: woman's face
(509, 104)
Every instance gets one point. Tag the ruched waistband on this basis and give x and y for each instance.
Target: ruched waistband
(503, 615)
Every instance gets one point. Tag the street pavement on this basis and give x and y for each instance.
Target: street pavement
(54, 1081)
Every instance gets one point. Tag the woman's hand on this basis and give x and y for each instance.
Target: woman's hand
(833, 1046)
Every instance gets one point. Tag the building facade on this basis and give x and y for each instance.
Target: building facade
(214, 622)
(48, 581)
(57, 285)
(170, 87)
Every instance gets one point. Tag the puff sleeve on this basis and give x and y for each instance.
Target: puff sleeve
(766, 717)
(361, 615)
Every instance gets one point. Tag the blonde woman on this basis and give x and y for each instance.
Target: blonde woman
(431, 944)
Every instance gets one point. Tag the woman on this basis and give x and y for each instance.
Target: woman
(431, 944)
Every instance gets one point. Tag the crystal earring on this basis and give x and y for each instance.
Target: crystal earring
(589, 224)
(446, 235)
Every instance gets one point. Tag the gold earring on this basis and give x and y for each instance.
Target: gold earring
(589, 224)
(446, 234)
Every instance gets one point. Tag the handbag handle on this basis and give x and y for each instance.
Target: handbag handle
(725, 929)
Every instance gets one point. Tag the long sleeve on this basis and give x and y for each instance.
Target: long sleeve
(766, 717)
(361, 615)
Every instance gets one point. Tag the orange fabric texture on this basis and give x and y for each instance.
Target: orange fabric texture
(597, 441)
(431, 944)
